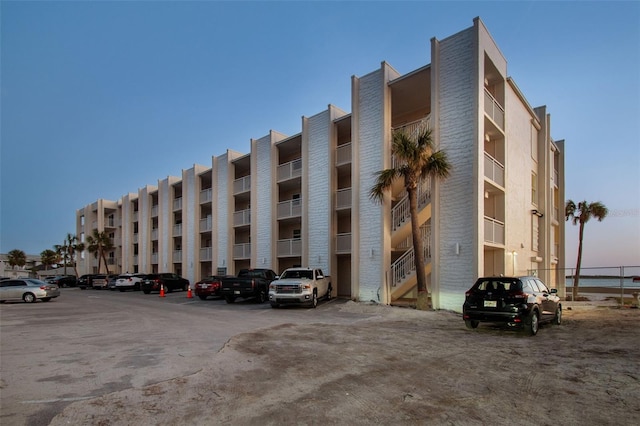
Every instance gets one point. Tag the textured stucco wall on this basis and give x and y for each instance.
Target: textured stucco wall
(262, 212)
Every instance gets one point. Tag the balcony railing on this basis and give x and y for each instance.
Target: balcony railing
(154, 211)
(206, 224)
(242, 217)
(177, 204)
(154, 234)
(242, 185)
(343, 199)
(135, 259)
(177, 230)
(343, 154)
(343, 243)
(289, 248)
(291, 208)
(205, 196)
(242, 251)
(135, 217)
(136, 238)
(177, 256)
(154, 258)
(493, 169)
(290, 170)
(493, 109)
(493, 231)
(205, 254)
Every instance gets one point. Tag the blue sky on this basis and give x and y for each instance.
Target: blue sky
(99, 99)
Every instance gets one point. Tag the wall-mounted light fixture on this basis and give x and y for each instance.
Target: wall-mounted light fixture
(457, 249)
(537, 213)
(370, 253)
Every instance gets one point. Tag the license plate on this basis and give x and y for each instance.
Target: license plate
(236, 292)
(490, 303)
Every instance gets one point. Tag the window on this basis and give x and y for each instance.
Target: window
(534, 189)
(296, 234)
(534, 144)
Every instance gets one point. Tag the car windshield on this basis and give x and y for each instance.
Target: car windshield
(34, 281)
(298, 274)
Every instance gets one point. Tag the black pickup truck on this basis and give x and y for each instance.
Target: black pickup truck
(249, 283)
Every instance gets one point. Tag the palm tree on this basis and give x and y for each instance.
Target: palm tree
(68, 251)
(581, 214)
(17, 257)
(99, 244)
(416, 159)
(49, 257)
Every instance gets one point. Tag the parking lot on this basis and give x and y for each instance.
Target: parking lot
(111, 358)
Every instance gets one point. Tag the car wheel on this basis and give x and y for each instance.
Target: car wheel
(533, 323)
(146, 291)
(29, 297)
(202, 297)
(230, 299)
(329, 290)
(557, 319)
(262, 297)
(314, 300)
(167, 289)
(45, 299)
(471, 324)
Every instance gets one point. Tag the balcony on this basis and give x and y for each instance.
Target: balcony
(135, 259)
(206, 224)
(289, 209)
(242, 185)
(136, 238)
(205, 254)
(493, 170)
(343, 199)
(289, 170)
(493, 231)
(177, 204)
(242, 218)
(343, 243)
(154, 211)
(177, 230)
(289, 248)
(154, 234)
(493, 109)
(242, 251)
(154, 258)
(135, 216)
(205, 196)
(177, 256)
(343, 154)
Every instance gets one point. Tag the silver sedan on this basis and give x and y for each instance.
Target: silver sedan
(28, 290)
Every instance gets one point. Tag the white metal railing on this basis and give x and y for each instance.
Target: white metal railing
(493, 169)
(154, 211)
(405, 265)
(290, 247)
(206, 224)
(291, 208)
(241, 185)
(154, 234)
(135, 217)
(205, 253)
(242, 217)
(177, 230)
(493, 230)
(242, 251)
(414, 128)
(400, 213)
(177, 256)
(177, 204)
(136, 238)
(343, 154)
(154, 258)
(205, 195)
(343, 243)
(493, 109)
(135, 259)
(290, 170)
(343, 198)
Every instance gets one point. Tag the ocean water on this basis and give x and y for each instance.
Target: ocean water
(586, 281)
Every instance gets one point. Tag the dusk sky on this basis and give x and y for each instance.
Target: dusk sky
(99, 99)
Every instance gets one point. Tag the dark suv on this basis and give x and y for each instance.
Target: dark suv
(523, 302)
(169, 281)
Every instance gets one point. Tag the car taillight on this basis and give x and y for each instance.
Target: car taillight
(130, 279)
(520, 295)
(468, 293)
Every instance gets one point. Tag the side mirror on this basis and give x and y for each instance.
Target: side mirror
(554, 290)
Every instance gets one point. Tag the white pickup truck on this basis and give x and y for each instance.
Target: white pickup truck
(299, 286)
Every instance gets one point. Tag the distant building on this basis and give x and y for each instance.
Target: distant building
(28, 270)
(304, 199)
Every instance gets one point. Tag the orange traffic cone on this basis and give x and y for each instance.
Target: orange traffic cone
(161, 291)
(189, 295)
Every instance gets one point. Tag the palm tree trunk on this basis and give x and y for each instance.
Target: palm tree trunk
(576, 278)
(418, 251)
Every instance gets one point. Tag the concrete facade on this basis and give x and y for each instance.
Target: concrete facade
(304, 199)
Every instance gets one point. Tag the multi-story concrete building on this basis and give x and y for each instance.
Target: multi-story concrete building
(304, 199)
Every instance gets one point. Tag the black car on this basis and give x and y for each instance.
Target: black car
(64, 281)
(523, 302)
(86, 281)
(170, 282)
